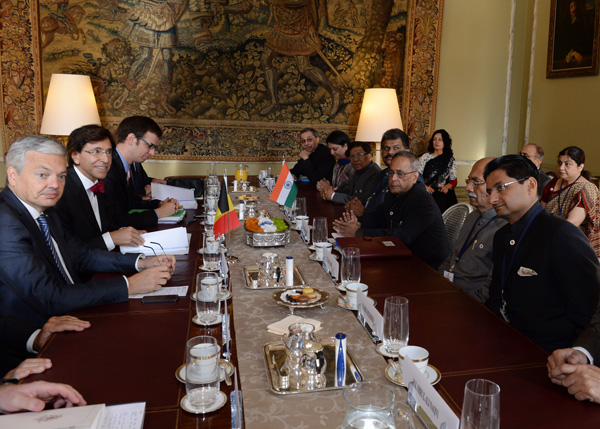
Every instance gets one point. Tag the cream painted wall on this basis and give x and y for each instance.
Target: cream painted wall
(564, 111)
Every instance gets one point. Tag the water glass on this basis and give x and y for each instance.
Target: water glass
(369, 405)
(320, 230)
(395, 324)
(202, 371)
(300, 206)
(210, 203)
(211, 251)
(208, 298)
(212, 190)
(351, 265)
(481, 405)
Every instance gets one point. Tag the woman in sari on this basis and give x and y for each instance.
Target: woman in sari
(573, 197)
(338, 142)
(438, 168)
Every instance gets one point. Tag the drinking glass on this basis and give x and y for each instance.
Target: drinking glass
(212, 190)
(319, 230)
(369, 405)
(481, 405)
(300, 206)
(395, 324)
(202, 371)
(208, 302)
(211, 251)
(350, 265)
(210, 203)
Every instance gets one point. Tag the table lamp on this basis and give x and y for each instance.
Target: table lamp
(380, 111)
(70, 104)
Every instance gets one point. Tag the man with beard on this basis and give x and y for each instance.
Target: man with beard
(469, 266)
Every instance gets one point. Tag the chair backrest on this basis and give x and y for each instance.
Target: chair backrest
(454, 217)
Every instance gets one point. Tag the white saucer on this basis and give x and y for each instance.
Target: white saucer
(432, 374)
(224, 296)
(219, 402)
(203, 268)
(201, 250)
(311, 247)
(197, 322)
(381, 350)
(340, 287)
(313, 257)
(342, 303)
(180, 373)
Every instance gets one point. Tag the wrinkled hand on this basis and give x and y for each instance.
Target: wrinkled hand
(444, 189)
(356, 206)
(430, 189)
(558, 361)
(168, 207)
(304, 154)
(59, 324)
(28, 367)
(128, 236)
(327, 193)
(582, 381)
(157, 261)
(347, 225)
(149, 280)
(323, 184)
(34, 396)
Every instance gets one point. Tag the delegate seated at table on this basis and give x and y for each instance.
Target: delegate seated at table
(362, 181)
(137, 138)
(338, 143)
(469, 266)
(408, 212)
(40, 261)
(315, 161)
(83, 207)
(546, 276)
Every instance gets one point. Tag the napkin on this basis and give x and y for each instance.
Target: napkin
(281, 327)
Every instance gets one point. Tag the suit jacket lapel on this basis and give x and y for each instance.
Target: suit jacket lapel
(80, 195)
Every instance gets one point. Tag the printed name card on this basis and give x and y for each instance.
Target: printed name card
(424, 399)
(368, 313)
(305, 231)
(330, 264)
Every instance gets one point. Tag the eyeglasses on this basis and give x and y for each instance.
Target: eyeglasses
(357, 155)
(502, 187)
(475, 182)
(401, 174)
(150, 145)
(97, 153)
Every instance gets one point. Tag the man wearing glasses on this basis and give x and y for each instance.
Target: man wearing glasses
(546, 276)
(408, 212)
(137, 138)
(535, 154)
(89, 154)
(469, 266)
(363, 180)
(315, 161)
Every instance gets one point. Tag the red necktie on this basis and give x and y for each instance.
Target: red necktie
(98, 187)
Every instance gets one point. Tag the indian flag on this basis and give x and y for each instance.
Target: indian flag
(285, 189)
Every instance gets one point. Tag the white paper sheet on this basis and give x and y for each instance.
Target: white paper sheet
(170, 290)
(174, 241)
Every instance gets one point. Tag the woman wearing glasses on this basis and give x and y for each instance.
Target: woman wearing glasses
(573, 197)
(338, 142)
(438, 168)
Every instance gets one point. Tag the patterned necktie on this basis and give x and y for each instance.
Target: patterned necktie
(98, 187)
(46, 231)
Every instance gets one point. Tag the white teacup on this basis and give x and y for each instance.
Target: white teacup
(320, 248)
(204, 367)
(418, 355)
(299, 220)
(351, 289)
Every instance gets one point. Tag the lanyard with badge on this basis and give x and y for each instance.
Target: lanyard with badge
(505, 270)
(470, 240)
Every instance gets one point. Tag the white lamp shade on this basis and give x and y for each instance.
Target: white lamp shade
(70, 104)
(380, 112)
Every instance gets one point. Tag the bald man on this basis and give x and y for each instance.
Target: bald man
(535, 154)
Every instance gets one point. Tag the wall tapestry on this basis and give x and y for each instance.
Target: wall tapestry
(227, 79)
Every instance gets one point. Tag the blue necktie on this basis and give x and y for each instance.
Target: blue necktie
(46, 231)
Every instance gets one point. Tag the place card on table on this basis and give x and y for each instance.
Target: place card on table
(425, 400)
(330, 264)
(305, 232)
(368, 313)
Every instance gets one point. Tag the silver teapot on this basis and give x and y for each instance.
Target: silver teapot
(312, 366)
(299, 333)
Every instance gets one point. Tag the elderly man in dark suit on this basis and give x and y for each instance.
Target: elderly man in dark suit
(137, 138)
(83, 207)
(40, 261)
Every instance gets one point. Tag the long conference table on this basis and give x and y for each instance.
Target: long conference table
(132, 350)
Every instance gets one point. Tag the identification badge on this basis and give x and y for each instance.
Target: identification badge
(449, 275)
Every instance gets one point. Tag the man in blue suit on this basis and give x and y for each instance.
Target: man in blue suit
(40, 261)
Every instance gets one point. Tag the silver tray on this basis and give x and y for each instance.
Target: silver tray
(251, 274)
(278, 352)
(268, 239)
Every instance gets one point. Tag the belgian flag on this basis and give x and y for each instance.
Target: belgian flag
(226, 218)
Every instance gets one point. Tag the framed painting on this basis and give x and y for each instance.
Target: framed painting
(225, 79)
(573, 38)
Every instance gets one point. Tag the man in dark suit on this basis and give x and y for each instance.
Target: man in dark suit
(315, 161)
(137, 138)
(83, 207)
(546, 276)
(40, 261)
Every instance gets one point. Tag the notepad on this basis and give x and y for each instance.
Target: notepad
(174, 241)
(184, 196)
